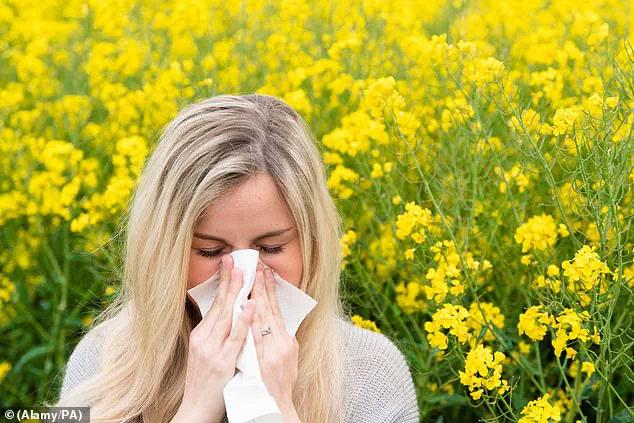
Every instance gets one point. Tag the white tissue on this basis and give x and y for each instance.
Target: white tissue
(246, 396)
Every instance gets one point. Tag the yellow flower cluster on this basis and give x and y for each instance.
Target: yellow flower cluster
(415, 223)
(385, 246)
(59, 172)
(483, 370)
(540, 411)
(481, 71)
(128, 160)
(451, 317)
(457, 111)
(534, 322)
(346, 241)
(562, 399)
(551, 280)
(529, 122)
(447, 278)
(478, 319)
(7, 288)
(381, 97)
(365, 324)
(358, 133)
(337, 181)
(517, 176)
(364, 129)
(584, 272)
(546, 85)
(565, 120)
(586, 367)
(464, 324)
(568, 326)
(408, 297)
(538, 233)
(595, 105)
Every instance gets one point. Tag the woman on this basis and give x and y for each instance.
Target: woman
(230, 173)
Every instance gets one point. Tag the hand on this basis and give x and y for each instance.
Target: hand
(277, 351)
(213, 351)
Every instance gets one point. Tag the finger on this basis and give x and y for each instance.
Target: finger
(211, 317)
(235, 341)
(261, 312)
(277, 319)
(226, 264)
(234, 289)
(258, 313)
(257, 337)
(260, 290)
(271, 293)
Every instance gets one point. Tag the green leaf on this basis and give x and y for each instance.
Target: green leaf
(623, 416)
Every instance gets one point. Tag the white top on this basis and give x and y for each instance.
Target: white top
(378, 385)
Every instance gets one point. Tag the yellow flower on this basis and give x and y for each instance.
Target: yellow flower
(588, 368)
(407, 297)
(523, 347)
(365, 324)
(409, 253)
(483, 369)
(540, 411)
(565, 120)
(538, 233)
(569, 327)
(599, 33)
(534, 323)
(476, 321)
(585, 271)
(87, 319)
(482, 71)
(448, 317)
(415, 217)
(5, 367)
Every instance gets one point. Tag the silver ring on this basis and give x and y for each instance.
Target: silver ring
(265, 331)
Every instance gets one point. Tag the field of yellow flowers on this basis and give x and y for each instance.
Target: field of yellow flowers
(480, 152)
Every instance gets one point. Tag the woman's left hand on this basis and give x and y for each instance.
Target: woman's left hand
(277, 351)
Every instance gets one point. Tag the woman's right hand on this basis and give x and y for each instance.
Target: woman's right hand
(213, 351)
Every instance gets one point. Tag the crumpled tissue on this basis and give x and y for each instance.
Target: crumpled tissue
(246, 397)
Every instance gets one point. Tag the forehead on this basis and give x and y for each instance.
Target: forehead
(255, 206)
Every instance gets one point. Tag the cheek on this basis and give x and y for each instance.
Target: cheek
(288, 264)
(200, 269)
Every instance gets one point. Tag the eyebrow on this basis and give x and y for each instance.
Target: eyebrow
(266, 235)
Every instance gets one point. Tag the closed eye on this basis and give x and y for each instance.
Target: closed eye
(216, 253)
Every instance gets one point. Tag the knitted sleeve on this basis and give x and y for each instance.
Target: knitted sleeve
(83, 361)
(379, 384)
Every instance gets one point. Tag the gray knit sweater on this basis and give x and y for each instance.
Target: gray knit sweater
(378, 385)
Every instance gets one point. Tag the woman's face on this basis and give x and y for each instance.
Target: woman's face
(247, 217)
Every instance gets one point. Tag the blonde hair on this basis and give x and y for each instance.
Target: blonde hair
(209, 148)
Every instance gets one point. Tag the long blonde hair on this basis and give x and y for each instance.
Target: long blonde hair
(208, 148)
